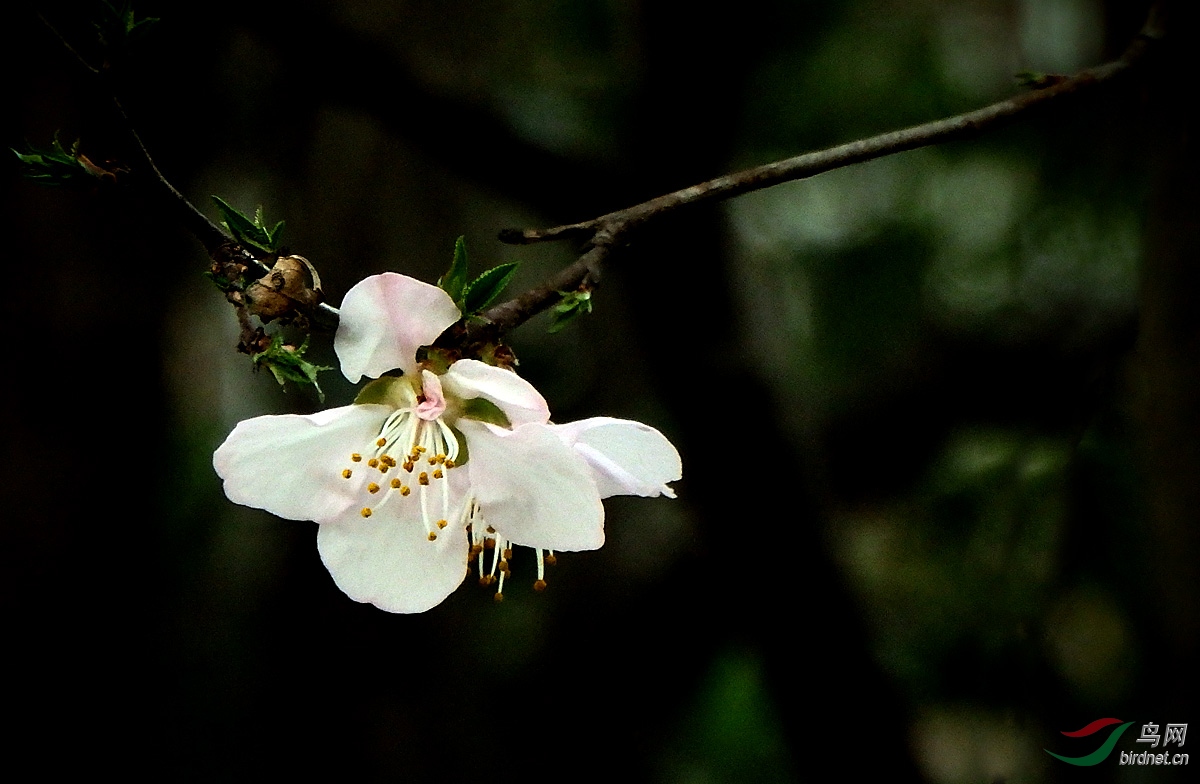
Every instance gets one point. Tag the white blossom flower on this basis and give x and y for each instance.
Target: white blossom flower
(427, 473)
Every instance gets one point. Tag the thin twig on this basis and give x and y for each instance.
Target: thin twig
(216, 240)
(615, 228)
(67, 45)
(210, 235)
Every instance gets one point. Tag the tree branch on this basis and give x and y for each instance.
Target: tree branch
(603, 234)
(615, 228)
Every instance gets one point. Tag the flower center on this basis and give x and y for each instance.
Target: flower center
(412, 456)
(413, 453)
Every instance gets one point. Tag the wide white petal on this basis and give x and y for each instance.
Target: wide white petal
(388, 560)
(532, 488)
(385, 319)
(626, 457)
(291, 465)
(517, 398)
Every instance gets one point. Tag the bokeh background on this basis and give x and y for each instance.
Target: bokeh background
(939, 413)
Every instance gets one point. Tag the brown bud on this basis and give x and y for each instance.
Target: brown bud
(292, 283)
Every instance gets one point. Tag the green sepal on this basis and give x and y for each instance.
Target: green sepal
(572, 304)
(485, 410)
(54, 165)
(484, 290)
(246, 231)
(386, 391)
(290, 365)
(455, 279)
(464, 453)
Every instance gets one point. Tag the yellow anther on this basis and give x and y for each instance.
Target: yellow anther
(404, 490)
(475, 550)
(449, 463)
(366, 511)
(372, 488)
(387, 460)
(489, 544)
(373, 463)
(346, 472)
(498, 597)
(356, 457)
(442, 523)
(433, 460)
(408, 466)
(419, 449)
(487, 579)
(491, 530)
(432, 536)
(550, 559)
(539, 586)
(441, 458)
(437, 474)
(381, 442)
(507, 552)
(395, 484)
(423, 478)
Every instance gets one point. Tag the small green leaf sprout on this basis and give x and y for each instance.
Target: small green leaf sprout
(572, 304)
(472, 298)
(247, 231)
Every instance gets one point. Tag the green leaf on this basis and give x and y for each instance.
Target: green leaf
(1037, 79)
(455, 279)
(246, 231)
(238, 224)
(53, 165)
(119, 27)
(572, 305)
(484, 290)
(273, 234)
(288, 364)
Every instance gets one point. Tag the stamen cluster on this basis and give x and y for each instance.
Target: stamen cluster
(432, 445)
(488, 541)
(429, 448)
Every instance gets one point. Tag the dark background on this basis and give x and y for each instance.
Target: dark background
(938, 413)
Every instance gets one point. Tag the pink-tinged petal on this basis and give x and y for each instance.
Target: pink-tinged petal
(532, 488)
(385, 319)
(388, 560)
(434, 404)
(291, 465)
(517, 398)
(626, 457)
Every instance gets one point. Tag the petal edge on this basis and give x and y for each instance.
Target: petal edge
(626, 457)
